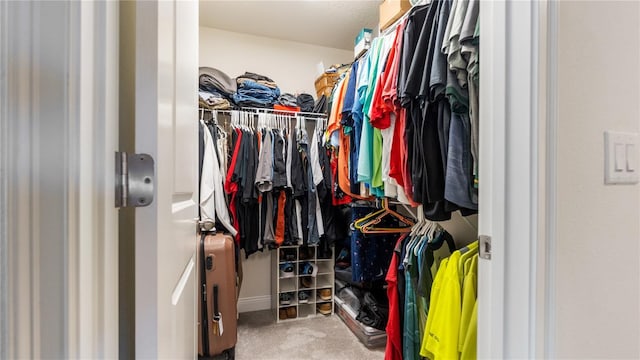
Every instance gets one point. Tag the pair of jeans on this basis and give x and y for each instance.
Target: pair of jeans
(252, 85)
(239, 99)
(288, 100)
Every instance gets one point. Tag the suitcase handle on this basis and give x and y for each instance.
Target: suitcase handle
(203, 306)
(215, 301)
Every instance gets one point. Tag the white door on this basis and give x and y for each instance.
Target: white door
(58, 222)
(166, 73)
(509, 178)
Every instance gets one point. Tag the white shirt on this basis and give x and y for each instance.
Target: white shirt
(211, 191)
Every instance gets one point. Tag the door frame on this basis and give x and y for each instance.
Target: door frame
(517, 170)
(516, 178)
(58, 223)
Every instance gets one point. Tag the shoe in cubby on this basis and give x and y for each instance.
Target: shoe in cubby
(292, 313)
(303, 296)
(286, 270)
(306, 282)
(324, 308)
(285, 298)
(306, 253)
(308, 268)
(324, 294)
(287, 255)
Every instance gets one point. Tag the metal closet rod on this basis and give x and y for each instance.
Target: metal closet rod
(271, 111)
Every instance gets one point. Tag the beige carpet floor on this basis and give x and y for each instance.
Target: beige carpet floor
(322, 338)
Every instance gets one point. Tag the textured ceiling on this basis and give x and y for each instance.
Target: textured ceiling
(326, 23)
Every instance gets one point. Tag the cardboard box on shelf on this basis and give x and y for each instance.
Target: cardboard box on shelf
(325, 91)
(325, 82)
(392, 10)
(363, 34)
(362, 42)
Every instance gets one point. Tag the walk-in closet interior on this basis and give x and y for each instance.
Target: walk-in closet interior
(338, 154)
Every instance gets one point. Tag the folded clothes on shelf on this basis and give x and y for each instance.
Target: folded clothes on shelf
(254, 94)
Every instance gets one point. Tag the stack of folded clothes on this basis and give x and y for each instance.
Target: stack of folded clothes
(305, 102)
(216, 89)
(256, 91)
(287, 102)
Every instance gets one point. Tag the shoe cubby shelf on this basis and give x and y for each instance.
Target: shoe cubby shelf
(289, 280)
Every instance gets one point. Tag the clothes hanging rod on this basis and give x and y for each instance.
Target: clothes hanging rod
(270, 111)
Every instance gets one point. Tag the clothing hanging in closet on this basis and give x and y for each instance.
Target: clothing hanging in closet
(404, 118)
(265, 181)
(432, 292)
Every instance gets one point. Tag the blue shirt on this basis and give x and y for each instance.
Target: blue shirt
(349, 96)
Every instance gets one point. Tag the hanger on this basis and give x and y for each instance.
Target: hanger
(369, 226)
(359, 223)
(419, 223)
(232, 122)
(466, 252)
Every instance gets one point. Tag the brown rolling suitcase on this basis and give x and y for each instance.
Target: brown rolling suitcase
(218, 296)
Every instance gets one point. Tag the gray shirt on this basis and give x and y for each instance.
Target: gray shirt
(264, 173)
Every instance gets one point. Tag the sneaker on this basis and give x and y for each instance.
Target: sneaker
(306, 253)
(285, 298)
(308, 268)
(344, 259)
(286, 255)
(286, 270)
(303, 296)
(324, 308)
(324, 294)
(305, 269)
(306, 282)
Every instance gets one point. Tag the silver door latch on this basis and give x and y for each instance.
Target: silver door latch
(484, 244)
(135, 180)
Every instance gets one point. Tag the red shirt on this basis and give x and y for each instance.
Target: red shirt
(383, 106)
(231, 187)
(393, 350)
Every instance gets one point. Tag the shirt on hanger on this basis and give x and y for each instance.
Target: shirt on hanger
(393, 350)
(212, 200)
(442, 335)
(366, 138)
(264, 173)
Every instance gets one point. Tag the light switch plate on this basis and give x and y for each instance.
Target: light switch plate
(620, 158)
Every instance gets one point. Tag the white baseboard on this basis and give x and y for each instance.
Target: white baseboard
(254, 303)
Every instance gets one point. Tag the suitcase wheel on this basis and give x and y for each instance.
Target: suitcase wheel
(230, 354)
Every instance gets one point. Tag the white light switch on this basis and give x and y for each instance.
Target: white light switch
(621, 157)
(631, 157)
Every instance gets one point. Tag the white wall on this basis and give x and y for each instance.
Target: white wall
(292, 66)
(597, 278)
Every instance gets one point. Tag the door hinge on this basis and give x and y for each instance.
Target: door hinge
(135, 180)
(484, 244)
